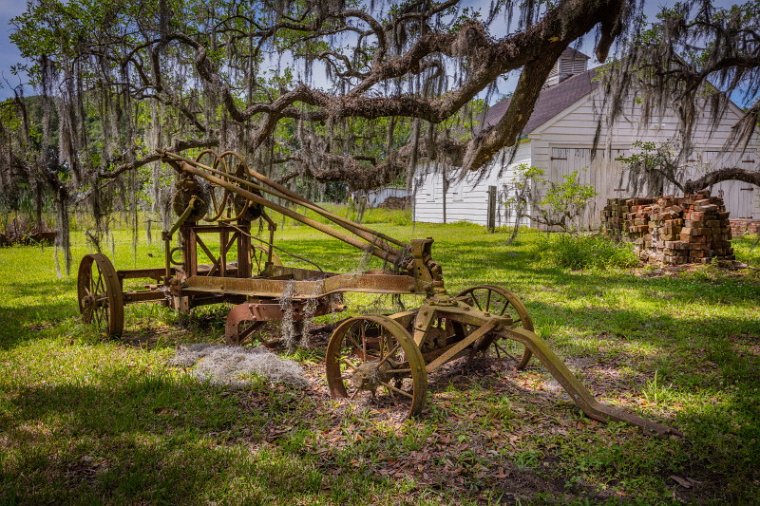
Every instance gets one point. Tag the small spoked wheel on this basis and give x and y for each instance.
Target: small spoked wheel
(375, 358)
(498, 301)
(100, 298)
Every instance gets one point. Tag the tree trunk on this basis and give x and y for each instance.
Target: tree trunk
(727, 174)
(39, 206)
(62, 219)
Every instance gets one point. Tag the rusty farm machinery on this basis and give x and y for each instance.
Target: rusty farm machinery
(388, 356)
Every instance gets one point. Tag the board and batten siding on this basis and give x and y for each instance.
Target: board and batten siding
(604, 171)
(467, 195)
(564, 144)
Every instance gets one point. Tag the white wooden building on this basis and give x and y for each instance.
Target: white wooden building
(559, 138)
(379, 195)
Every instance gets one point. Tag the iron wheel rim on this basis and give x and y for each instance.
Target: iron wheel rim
(371, 355)
(499, 301)
(100, 297)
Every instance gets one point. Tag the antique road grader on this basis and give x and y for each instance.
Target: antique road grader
(388, 356)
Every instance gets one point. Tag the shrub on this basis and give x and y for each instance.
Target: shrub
(585, 252)
(747, 249)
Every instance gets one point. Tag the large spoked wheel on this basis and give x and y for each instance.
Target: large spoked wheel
(375, 358)
(500, 302)
(100, 298)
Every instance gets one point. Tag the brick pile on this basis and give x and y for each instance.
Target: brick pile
(740, 227)
(613, 218)
(670, 230)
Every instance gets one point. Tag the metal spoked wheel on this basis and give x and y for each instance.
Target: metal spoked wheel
(100, 298)
(374, 357)
(500, 302)
(220, 196)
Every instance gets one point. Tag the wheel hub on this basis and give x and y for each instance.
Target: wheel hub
(88, 304)
(370, 375)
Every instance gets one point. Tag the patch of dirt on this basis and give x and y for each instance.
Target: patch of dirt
(730, 268)
(85, 470)
(746, 344)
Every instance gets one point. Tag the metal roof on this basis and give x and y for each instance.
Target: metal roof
(551, 101)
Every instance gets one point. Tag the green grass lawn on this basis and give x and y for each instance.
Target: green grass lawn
(85, 420)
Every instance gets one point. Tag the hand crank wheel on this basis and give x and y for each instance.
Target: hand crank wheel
(500, 302)
(373, 356)
(100, 298)
(220, 197)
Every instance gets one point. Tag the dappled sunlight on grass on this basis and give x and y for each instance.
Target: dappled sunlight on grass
(89, 420)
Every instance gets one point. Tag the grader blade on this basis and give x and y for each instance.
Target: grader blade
(579, 393)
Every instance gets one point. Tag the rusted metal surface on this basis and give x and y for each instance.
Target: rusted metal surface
(481, 324)
(380, 358)
(265, 310)
(152, 273)
(275, 288)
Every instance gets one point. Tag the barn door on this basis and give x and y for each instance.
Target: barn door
(742, 200)
(566, 160)
(604, 173)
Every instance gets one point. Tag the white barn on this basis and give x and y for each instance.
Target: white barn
(559, 138)
(376, 197)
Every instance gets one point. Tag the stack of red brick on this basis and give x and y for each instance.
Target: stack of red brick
(740, 227)
(613, 218)
(670, 230)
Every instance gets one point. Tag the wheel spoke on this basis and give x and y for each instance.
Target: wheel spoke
(349, 364)
(389, 355)
(353, 341)
(99, 283)
(504, 351)
(475, 299)
(398, 390)
(98, 317)
(91, 282)
(364, 341)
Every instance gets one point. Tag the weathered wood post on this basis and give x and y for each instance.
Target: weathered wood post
(491, 220)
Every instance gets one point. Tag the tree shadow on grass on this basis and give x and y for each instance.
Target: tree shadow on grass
(664, 342)
(131, 436)
(23, 323)
(141, 438)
